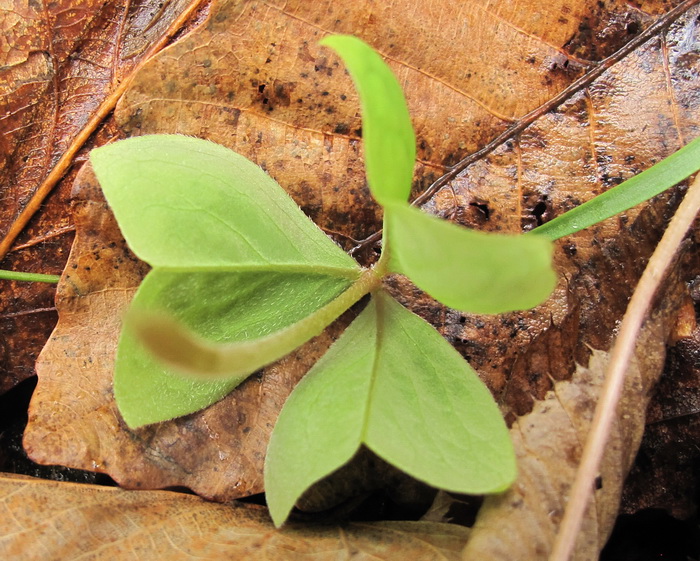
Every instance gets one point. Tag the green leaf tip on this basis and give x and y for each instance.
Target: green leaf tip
(387, 133)
(471, 271)
(393, 384)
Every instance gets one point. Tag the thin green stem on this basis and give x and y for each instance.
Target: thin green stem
(28, 277)
(189, 353)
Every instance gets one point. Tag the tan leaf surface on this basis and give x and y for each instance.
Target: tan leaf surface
(254, 79)
(58, 61)
(91, 523)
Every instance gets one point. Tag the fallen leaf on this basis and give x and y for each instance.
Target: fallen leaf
(522, 523)
(93, 522)
(296, 115)
(58, 62)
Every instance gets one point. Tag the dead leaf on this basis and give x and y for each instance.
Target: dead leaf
(58, 62)
(254, 79)
(523, 522)
(94, 522)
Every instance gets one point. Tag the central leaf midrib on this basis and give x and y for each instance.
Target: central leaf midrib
(350, 273)
(379, 320)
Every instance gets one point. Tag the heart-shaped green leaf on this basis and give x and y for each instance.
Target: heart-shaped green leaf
(193, 210)
(392, 383)
(184, 202)
(387, 133)
(467, 270)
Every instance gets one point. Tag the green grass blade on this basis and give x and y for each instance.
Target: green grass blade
(665, 174)
(387, 133)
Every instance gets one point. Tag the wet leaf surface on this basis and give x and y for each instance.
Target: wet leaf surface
(254, 79)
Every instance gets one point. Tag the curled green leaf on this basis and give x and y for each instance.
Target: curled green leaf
(191, 354)
(467, 270)
(215, 307)
(387, 133)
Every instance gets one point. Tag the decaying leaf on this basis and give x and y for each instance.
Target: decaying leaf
(522, 523)
(255, 80)
(58, 61)
(94, 523)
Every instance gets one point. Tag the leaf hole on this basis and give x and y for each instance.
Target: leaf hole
(483, 208)
(539, 212)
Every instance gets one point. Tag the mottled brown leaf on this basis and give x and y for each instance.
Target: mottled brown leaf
(91, 523)
(521, 523)
(254, 79)
(58, 62)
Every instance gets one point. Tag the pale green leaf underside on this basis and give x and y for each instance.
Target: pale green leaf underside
(467, 270)
(220, 306)
(665, 174)
(183, 202)
(393, 383)
(387, 133)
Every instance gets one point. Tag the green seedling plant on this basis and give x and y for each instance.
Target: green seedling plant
(241, 277)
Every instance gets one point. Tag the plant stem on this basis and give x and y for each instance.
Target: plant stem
(28, 277)
(192, 354)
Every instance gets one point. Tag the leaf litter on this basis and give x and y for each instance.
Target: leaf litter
(548, 166)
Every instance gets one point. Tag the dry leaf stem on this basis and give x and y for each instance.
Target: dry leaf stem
(105, 108)
(621, 354)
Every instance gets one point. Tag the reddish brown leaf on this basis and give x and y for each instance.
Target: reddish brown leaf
(60, 62)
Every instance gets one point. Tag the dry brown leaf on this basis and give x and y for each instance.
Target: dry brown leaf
(58, 61)
(91, 523)
(253, 79)
(522, 523)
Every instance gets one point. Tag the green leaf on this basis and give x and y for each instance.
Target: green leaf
(183, 202)
(392, 383)
(193, 210)
(191, 354)
(387, 133)
(221, 307)
(663, 175)
(467, 270)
